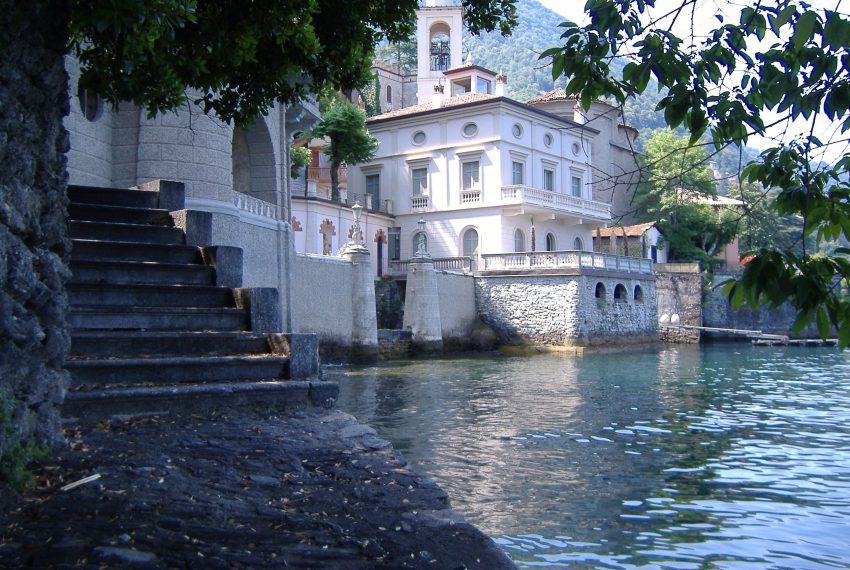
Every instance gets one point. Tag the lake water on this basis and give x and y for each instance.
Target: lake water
(726, 456)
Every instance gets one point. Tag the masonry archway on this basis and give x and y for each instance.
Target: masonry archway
(253, 162)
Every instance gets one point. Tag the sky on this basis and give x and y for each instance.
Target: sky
(706, 12)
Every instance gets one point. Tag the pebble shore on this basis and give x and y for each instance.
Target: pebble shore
(303, 489)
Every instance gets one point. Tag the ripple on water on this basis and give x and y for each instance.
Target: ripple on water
(737, 458)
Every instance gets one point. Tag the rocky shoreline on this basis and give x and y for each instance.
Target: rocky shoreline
(237, 489)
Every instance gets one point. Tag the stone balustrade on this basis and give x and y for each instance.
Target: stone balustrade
(520, 194)
(565, 259)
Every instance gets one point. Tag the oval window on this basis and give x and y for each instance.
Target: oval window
(470, 130)
(547, 139)
(576, 148)
(517, 130)
(418, 138)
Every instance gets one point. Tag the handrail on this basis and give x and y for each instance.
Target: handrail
(565, 202)
(566, 259)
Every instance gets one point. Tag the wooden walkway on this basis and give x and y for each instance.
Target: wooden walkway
(765, 339)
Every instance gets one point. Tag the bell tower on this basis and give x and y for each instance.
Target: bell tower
(439, 33)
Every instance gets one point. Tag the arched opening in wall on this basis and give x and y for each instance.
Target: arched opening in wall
(599, 292)
(90, 104)
(470, 246)
(253, 162)
(389, 94)
(550, 242)
(519, 241)
(440, 52)
(638, 294)
(578, 245)
(620, 294)
(420, 239)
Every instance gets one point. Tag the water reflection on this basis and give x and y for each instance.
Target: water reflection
(729, 456)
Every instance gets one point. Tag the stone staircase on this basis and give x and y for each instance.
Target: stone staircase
(159, 325)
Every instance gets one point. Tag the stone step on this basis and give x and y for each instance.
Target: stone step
(140, 344)
(91, 407)
(119, 317)
(149, 295)
(136, 233)
(99, 250)
(119, 214)
(113, 196)
(135, 272)
(175, 370)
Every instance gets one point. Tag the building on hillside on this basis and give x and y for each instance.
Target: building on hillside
(486, 174)
(730, 254)
(615, 171)
(640, 240)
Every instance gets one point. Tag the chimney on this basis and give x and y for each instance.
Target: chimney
(437, 98)
(501, 85)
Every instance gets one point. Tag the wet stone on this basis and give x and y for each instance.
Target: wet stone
(306, 490)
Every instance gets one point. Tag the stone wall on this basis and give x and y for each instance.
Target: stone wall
(393, 344)
(680, 294)
(33, 242)
(718, 312)
(679, 335)
(389, 304)
(564, 310)
(457, 308)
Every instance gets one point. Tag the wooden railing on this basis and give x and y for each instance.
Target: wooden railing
(323, 173)
(565, 259)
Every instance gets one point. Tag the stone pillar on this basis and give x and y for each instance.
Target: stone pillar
(364, 318)
(422, 305)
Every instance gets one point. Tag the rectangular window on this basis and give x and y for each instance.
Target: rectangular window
(471, 175)
(576, 185)
(482, 85)
(419, 176)
(394, 243)
(373, 187)
(548, 180)
(518, 177)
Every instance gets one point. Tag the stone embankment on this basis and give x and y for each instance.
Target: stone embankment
(311, 489)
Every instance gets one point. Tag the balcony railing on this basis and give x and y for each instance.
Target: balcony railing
(470, 196)
(323, 173)
(565, 260)
(419, 202)
(459, 264)
(521, 194)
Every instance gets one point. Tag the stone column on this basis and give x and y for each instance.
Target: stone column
(422, 305)
(364, 318)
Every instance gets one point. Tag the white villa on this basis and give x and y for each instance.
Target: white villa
(487, 175)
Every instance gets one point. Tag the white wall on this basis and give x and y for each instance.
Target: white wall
(321, 297)
(457, 305)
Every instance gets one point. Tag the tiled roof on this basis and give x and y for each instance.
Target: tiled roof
(422, 107)
(630, 231)
(554, 95)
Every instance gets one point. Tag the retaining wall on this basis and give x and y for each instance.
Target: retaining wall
(564, 310)
(321, 300)
(457, 307)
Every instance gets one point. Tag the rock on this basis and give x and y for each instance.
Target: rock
(123, 555)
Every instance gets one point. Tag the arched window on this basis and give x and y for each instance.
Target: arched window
(578, 245)
(550, 242)
(620, 294)
(470, 243)
(638, 294)
(599, 293)
(417, 237)
(440, 57)
(519, 241)
(389, 94)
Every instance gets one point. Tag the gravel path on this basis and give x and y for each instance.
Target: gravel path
(308, 489)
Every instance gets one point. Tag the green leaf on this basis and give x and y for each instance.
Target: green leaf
(804, 29)
(823, 323)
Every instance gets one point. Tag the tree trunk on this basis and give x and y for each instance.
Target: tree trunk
(335, 180)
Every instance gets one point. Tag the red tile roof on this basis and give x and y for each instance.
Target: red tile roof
(630, 231)
(422, 107)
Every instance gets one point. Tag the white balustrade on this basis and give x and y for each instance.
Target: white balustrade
(522, 194)
(419, 202)
(566, 260)
(254, 206)
(470, 196)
